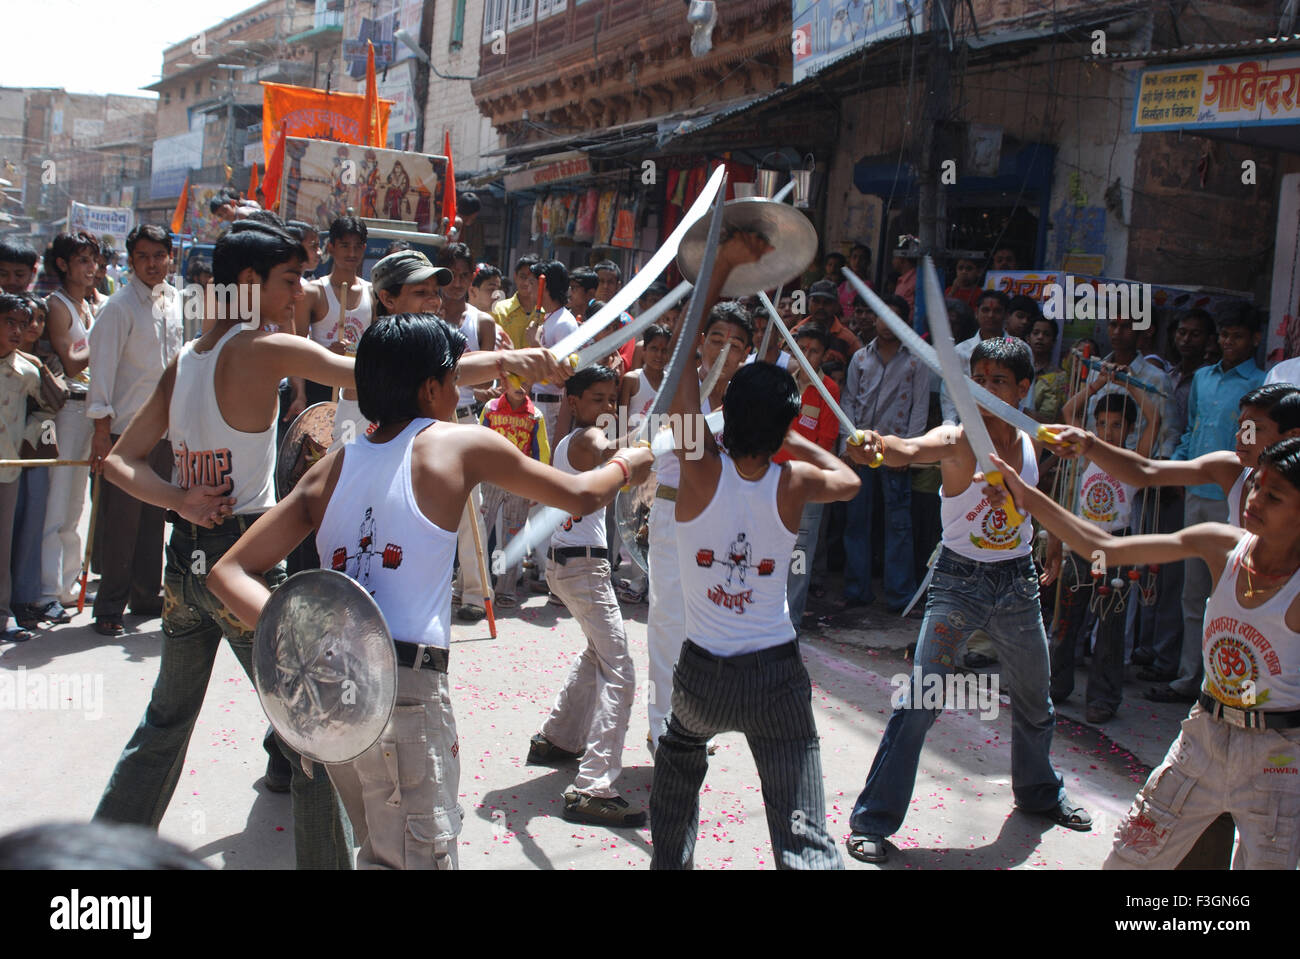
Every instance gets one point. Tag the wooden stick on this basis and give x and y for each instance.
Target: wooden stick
(22, 463)
(482, 563)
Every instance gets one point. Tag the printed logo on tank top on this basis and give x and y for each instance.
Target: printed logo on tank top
(567, 525)
(349, 332)
(738, 560)
(1101, 498)
(1234, 652)
(995, 529)
(201, 467)
(360, 564)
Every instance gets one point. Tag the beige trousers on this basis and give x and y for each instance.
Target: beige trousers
(400, 794)
(593, 709)
(1213, 768)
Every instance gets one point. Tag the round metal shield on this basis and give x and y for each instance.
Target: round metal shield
(308, 439)
(787, 230)
(632, 517)
(324, 666)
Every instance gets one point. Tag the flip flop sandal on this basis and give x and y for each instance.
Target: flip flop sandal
(867, 848)
(1063, 814)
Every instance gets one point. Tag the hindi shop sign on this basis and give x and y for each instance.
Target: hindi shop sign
(553, 169)
(1264, 91)
(101, 221)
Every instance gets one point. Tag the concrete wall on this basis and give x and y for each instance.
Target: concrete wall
(450, 104)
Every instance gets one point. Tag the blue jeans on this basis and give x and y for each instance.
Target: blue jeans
(29, 525)
(805, 548)
(193, 623)
(900, 579)
(965, 595)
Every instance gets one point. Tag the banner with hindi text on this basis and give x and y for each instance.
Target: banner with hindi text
(1261, 91)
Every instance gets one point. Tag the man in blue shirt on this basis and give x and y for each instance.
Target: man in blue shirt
(1212, 410)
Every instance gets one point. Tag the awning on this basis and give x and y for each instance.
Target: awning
(1262, 46)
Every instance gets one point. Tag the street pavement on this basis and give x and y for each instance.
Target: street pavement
(56, 756)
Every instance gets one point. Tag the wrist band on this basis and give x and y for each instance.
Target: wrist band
(627, 477)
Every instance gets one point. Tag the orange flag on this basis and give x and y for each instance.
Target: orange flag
(315, 115)
(182, 207)
(372, 99)
(274, 171)
(449, 184)
(252, 183)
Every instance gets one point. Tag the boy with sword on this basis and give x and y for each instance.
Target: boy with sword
(984, 578)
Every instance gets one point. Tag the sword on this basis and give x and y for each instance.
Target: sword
(563, 350)
(590, 354)
(959, 391)
(857, 437)
(1095, 364)
(542, 521)
(767, 333)
(924, 352)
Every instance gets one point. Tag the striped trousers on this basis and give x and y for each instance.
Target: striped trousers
(768, 697)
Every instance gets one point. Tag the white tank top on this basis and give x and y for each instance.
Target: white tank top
(668, 469)
(205, 448)
(78, 330)
(1251, 646)
(1236, 495)
(734, 559)
(973, 530)
(347, 328)
(639, 405)
(1104, 500)
(469, 326)
(374, 531)
(586, 530)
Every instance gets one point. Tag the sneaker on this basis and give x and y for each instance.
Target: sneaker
(543, 752)
(601, 811)
(553, 600)
(53, 612)
(279, 774)
(469, 613)
(1096, 715)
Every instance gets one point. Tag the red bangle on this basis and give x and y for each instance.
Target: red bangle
(627, 477)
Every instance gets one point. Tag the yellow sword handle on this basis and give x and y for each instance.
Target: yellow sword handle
(859, 438)
(514, 380)
(994, 478)
(1045, 435)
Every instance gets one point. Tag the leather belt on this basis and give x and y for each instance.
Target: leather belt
(666, 492)
(78, 397)
(224, 528)
(1248, 718)
(770, 655)
(419, 656)
(565, 553)
(547, 397)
